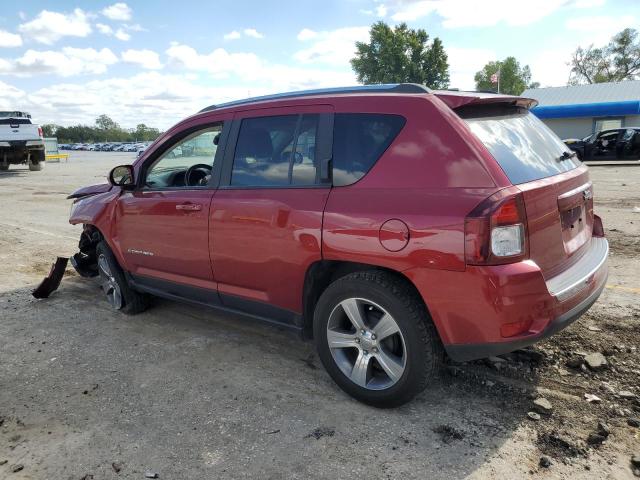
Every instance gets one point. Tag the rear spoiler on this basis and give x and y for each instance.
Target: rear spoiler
(455, 100)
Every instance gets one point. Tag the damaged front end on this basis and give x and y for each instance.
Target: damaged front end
(86, 261)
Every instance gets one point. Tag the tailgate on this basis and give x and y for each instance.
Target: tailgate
(559, 219)
(16, 129)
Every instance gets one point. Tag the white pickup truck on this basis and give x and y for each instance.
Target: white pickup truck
(20, 141)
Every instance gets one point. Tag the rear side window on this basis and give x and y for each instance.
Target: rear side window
(276, 151)
(525, 148)
(359, 140)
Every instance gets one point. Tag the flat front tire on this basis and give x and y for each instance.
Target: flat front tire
(376, 339)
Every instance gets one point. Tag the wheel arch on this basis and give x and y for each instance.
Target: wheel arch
(322, 273)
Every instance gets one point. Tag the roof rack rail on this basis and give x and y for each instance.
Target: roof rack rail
(379, 88)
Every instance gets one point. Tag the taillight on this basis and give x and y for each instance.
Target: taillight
(496, 230)
(40, 134)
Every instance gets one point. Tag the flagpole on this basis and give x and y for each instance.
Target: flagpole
(498, 77)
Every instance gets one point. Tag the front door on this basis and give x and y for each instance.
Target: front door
(604, 147)
(163, 226)
(266, 216)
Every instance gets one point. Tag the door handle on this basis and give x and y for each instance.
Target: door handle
(190, 207)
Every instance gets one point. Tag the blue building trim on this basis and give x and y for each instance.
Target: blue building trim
(604, 109)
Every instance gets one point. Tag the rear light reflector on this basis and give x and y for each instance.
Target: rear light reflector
(496, 230)
(40, 133)
(515, 328)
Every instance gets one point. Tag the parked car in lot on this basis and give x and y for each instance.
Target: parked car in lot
(614, 144)
(388, 223)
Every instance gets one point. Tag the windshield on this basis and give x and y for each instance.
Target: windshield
(525, 148)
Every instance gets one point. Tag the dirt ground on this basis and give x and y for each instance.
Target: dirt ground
(186, 392)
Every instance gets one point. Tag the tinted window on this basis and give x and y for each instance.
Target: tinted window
(524, 147)
(359, 140)
(276, 151)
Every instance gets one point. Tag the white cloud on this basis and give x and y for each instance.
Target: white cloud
(468, 13)
(334, 47)
(464, 63)
(252, 32)
(10, 96)
(145, 58)
(247, 32)
(381, 10)
(234, 35)
(105, 29)
(134, 27)
(599, 29)
(307, 34)
(48, 27)
(118, 11)
(219, 63)
(68, 62)
(122, 35)
(550, 67)
(8, 39)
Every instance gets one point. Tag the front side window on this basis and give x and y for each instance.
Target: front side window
(359, 140)
(186, 164)
(276, 151)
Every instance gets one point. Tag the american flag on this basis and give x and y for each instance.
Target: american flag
(494, 78)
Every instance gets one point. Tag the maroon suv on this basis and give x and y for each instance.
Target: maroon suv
(389, 223)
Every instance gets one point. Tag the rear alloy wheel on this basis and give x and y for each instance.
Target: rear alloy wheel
(376, 339)
(366, 343)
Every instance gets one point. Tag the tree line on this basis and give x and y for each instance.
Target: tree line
(401, 54)
(104, 130)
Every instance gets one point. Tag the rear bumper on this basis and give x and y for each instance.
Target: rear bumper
(466, 352)
(471, 308)
(35, 144)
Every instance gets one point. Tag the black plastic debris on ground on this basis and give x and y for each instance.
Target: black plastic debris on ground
(448, 433)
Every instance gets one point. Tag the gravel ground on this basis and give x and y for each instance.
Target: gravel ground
(187, 392)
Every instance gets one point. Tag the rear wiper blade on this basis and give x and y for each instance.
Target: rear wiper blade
(566, 156)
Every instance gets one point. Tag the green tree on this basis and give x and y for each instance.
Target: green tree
(514, 79)
(49, 129)
(104, 122)
(617, 61)
(401, 54)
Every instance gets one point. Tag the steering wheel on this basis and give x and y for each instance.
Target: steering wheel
(203, 169)
(297, 157)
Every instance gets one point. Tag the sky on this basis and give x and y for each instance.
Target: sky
(156, 62)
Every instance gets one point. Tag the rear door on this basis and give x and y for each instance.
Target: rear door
(266, 217)
(557, 191)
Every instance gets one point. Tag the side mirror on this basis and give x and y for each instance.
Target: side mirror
(122, 176)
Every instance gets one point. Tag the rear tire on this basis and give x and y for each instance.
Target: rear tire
(115, 286)
(395, 353)
(36, 163)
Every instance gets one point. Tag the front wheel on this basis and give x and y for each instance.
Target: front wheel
(115, 286)
(376, 339)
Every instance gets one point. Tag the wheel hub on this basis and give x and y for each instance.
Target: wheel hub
(366, 343)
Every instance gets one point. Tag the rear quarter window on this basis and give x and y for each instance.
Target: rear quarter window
(524, 147)
(359, 140)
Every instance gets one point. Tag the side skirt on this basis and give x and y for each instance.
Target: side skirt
(223, 302)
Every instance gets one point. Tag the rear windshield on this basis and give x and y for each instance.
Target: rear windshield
(525, 148)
